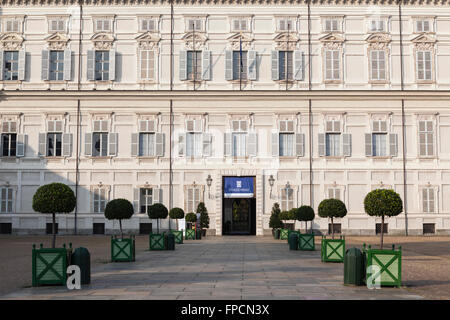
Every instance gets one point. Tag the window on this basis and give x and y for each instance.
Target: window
(332, 142)
(287, 199)
(286, 144)
(423, 65)
(147, 64)
(334, 193)
(240, 25)
(331, 25)
(11, 65)
(379, 144)
(102, 25)
(428, 200)
(9, 143)
(101, 65)
(146, 199)
(239, 65)
(56, 65)
(194, 65)
(422, 26)
(146, 144)
(426, 138)
(193, 198)
(378, 65)
(148, 25)
(377, 26)
(56, 25)
(12, 25)
(6, 200)
(99, 199)
(285, 65)
(285, 25)
(194, 25)
(54, 144)
(193, 144)
(99, 144)
(239, 144)
(332, 65)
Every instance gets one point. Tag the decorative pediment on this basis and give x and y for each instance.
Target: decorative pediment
(286, 41)
(236, 38)
(148, 41)
(378, 41)
(11, 41)
(196, 38)
(57, 41)
(332, 37)
(102, 41)
(424, 42)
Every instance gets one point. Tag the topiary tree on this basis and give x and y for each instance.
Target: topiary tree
(332, 208)
(157, 211)
(119, 209)
(305, 213)
(284, 215)
(191, 217)
(204, 217)
(176, 213)
(275, 221)
(54, 198)
(381, 203)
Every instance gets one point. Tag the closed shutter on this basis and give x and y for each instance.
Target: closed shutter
(181, 144)
(393, 144)
(251, 63)
(112, 64)
(134, 144)
(347, 144)
(299, 144)
(20, 145)
(136, 196)
(112, 143)
(1, 65)
(275, 144)
(183, 65)
(298, 65)
(207, 145)
(159, 145)
(321, 144)
(88, 144)
(206, 65)
(42, 149)
(90, 65)
(45, 60)
(275, 66)
(22, 65)
(228, 65)
(67, 144)
(252, 144)
(157, 195)
(67, 65)
(227, 144)
(368, 144)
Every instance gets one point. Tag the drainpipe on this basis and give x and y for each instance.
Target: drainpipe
(310, 112)
(171, 110)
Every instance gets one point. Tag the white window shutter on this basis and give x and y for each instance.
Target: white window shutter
(251, 63)
(42, 150)
(45, 61)
(67, 144)
(159, 144)
(90, 65)
(181, 144)
(112, 143)
(207, 145)
(206, 65)
(228, 65)
(157, 195)
(298, 65)
(252, 144)
(183, 65)
(368, 144)
(393, 144)
(136, 196)
(227, 144)
(112, 64)
(22, 64)
(275, 144)
(67, 65)
(1, 65)
(134, 144)
(300, 144)
(88, 144)
(321, 144)
(20, 145)
(275, 66)
(346, 144)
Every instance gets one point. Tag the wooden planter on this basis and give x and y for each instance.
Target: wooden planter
(284, 233)
(157, 242)
(333, 250)
(384, 266)
(178, 236)
(189, 234)
(49, 266)
(123, 250)
(306, 242)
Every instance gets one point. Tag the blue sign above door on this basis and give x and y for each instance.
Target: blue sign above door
(238, 187)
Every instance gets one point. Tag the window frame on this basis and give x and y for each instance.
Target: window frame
(103, 135)
(191, 205)
(9, 203)
(145, 196)
(236, 65)
(101, 203)
(14, 72)
(150, 60)
(430, 190)
(282, 65)
(286, 203)
(12, 144)
(426, 142)
(378, 70)
(58, 21)
(424, 70)
(55, 148)
(103, 71)
(59, 62)
(192, 69)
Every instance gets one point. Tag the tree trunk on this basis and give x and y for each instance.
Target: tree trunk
(332, 228)
(54, 230)
(157, 225)
(176, 223)
(382, 231)
(120, 224)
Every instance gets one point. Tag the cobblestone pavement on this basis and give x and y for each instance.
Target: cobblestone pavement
(230, 268)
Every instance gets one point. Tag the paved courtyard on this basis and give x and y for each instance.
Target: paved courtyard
(237, 267)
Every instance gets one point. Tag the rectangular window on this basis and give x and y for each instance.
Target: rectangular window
(423, 65)
(101, 65)
(9, 144)
(377, 25)
(12, 25)
(6, 200)
(194, 25)
(193, 199)
(11, 65)
(286, 144)
(148, 25)
(240, 25)
(332, 65)
(194, 65)
(99, 144)
(57, 65)
(332, 143)
(57, 25)
(100, 200)
(378, 64)
(239, 65)
(285, 65)
(422, 26)
(146, 199)
(147, 144)
(285, 25)
(287, 199)
(331, 25)
(334, 193)
(147, 64)
(379, 148)
(239, 144)
(194, 144)
(428, 200)
(426, 138)
(54, 144)
(103, 25)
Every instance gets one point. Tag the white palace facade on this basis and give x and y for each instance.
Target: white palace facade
(160, 101)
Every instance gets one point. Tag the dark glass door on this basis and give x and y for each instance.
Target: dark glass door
(238, 216)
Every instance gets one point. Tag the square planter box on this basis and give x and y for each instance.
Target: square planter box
(386, 265)
(306, 242)
(49, 266)
(157, 241)
(123, 250)
(284, 233)
(178, 236)
(190, 234)
(333, 250)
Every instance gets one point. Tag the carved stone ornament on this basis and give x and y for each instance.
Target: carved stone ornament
(332, 41)
(240, 37)
(286, 41)
(424, 42)
(102, 41)
(148, 41)
(378, 41)
(194, 38)
(57, 41)
(11, 41)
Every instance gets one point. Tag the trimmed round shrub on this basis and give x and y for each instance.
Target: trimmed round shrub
(284, 215)
(305, 213)
(119, 209)
(157, 211)
(176, 213)
(332, 208)
(293, 214)
(191, 217)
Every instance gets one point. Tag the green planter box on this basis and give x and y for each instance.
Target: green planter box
(306, 242)
(189, 234)
(333, 250)
(49, 266)
(284, 233)
(386, 265)
(157, 242)
(123, 250)
(178, 236)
